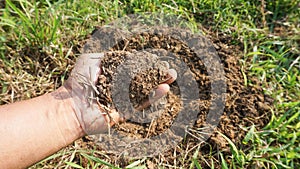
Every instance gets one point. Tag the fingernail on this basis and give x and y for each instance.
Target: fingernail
(165, 64)
(172, 76)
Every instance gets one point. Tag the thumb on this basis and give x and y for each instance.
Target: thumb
(158, 93)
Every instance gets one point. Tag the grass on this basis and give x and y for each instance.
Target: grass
(40, 39)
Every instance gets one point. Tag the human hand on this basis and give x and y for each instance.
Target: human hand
(81, 85)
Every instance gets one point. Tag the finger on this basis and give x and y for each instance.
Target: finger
(113, 117)
(158, 93)
(171, 76)
(166, 64)
(88, 66)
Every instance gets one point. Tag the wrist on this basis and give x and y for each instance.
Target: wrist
(66, 119)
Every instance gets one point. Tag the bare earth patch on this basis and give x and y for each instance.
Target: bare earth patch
(245, 105)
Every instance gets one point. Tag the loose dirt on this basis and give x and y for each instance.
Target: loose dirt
(245, 105)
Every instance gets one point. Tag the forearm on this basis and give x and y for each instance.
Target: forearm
(34, 129)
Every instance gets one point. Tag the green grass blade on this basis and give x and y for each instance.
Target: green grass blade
(233, 148)
(223, 162)
(135, 163)
(7, 22)
(55, 27)
(95, 159)
(21, 14)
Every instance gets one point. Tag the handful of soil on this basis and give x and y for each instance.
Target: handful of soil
(128, 79)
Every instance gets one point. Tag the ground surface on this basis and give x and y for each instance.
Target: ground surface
(258, 43)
